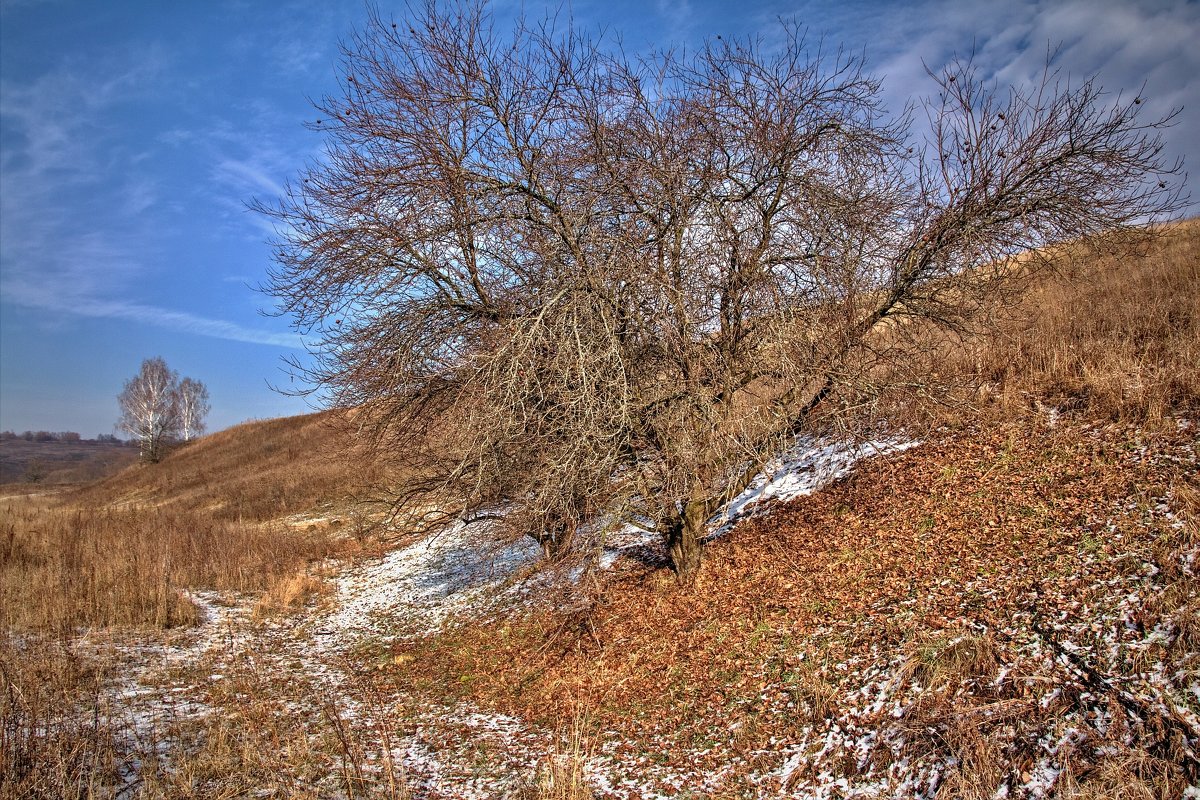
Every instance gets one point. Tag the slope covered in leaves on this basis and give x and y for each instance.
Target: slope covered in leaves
(1005, 610)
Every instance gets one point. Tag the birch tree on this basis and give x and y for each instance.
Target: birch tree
(150, 408)
(193, 408)
(572, 289)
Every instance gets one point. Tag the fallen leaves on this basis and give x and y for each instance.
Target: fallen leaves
(974, 529)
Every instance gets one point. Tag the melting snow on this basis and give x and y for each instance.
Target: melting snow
(804, 469)
(809, 465)
(417, 587)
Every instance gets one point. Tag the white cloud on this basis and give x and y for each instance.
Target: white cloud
(250, 176)
(1124, 43)
(679, 16)
(80, 288)
(187, 323)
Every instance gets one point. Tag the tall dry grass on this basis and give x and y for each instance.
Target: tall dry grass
(49, 748)
(64, 733)
(1110, 330)
(1117, 335)
(65, 566)
(562, 774)
(124, 553)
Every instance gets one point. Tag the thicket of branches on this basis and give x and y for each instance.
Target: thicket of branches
(569, 287)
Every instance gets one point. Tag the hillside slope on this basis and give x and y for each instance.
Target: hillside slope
(1006, 611)
(1010, 609)
(255, 471)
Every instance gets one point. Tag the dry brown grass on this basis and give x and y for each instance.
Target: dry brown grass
(50, 748)
(942, 660)
(945, 718)
(877, 561)
(258, 745)
(1132, 775)
(64, 566)
(124, 553)
(981, 764)
(64, 734)
(1110, 331)
(561, 775)
(1116, 335)
(256, 471)
(291, 593)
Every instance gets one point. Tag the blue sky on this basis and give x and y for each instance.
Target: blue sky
(132, 135)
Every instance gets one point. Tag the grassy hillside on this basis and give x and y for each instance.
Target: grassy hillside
(246, 509)
(255, 471)
(1115, 335)
(1009, 610)
(898, 622)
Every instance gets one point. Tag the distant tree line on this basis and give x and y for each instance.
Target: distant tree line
(66, 437)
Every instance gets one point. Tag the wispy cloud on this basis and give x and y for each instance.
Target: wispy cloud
(1125, 43)
(55, 167)
(303, 34)
(50, 298)
(75, 286)
(250, 174)
(77, 232)
(187, 323)
(248, 158)
(679, 16)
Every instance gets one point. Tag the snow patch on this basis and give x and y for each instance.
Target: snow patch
(417, 587)
(807, 467)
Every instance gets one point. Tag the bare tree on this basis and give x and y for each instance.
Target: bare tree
(193, 408)
(150, 408)
(570, 288)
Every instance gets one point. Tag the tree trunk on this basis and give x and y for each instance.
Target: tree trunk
(684, 540)
(556, 542)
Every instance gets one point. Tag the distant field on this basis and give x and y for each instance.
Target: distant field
(62, 462)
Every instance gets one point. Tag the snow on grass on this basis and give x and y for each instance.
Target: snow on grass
(419, 586)
(811, 463)
(808, 466)
(453, 750)
(147, 689)
(151, 693)
(1108, 633)
(414, 590)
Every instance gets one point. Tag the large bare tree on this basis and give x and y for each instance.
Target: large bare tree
(567, 287)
